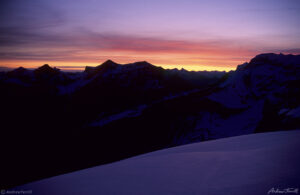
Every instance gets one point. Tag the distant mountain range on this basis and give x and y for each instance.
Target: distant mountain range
(113, 111)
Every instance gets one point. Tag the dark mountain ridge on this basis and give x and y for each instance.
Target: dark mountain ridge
(113, 111)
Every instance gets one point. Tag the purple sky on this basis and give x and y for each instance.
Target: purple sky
(194, 34)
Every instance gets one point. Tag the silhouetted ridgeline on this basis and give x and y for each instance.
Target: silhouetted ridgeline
(54, 122)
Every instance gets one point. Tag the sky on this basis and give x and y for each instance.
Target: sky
(189, 34)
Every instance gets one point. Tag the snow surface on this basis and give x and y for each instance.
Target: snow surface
(250, 164)
(80, 82)
(264, 77)
(213, 126)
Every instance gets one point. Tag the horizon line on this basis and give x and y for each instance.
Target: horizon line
(80, 68)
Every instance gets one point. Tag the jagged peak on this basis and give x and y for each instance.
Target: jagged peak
(20, 69)
(109, 63)
(46, 69)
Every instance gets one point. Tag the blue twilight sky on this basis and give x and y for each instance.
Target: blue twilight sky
(193, 34)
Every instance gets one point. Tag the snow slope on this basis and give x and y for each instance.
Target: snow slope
(250, 164)
(267, 76)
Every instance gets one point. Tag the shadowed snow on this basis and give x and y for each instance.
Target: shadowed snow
(251, 164)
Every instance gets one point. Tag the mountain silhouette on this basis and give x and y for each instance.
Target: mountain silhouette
(46, 69)
(114, 111)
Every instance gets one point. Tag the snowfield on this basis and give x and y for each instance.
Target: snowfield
(249, 164)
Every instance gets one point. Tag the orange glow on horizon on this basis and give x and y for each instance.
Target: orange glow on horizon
(92, 50)
(78, 66)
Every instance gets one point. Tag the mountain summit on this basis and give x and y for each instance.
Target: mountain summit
(107, 65)
(46, 69)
